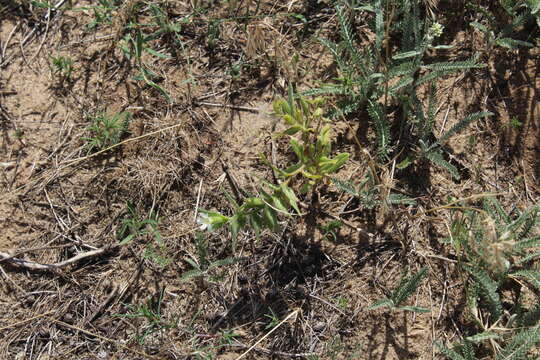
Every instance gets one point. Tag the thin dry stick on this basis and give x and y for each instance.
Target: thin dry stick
(140, 353)
(78, 160)
(26, 320)
(268, 334)
(8, 40)
(234, 107)
(31, 265)
(450, 204)
(198, 200)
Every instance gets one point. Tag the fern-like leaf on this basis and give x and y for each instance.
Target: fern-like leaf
(345, 186)
(382, 126)
(436, 157)
(531, 276)
(520, 344)
(407, 287)
(452, 354)
(462, 125)
(531, 317)
(488, 289)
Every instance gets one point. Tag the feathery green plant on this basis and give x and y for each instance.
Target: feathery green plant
(106, 130)
(498, 250)
(494, 33)
(202, 266)
(384, 83)
(62, 67)
(407, 286)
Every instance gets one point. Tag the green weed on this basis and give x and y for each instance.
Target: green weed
(309, 134)
(106, 130)
(62, 68)
(497, 250)
(384, 82)
(405, 289)
(152, 313)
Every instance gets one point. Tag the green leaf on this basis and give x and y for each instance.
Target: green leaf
(157, 54)
(416, 309)
(191, 274)
(234, 224)
(270, 217)
(127, 239)
(487, 335)
(480, 27)
(381, 303)
(404, 164)
(533, 277)
(278, 204)
(291, 197)
(437, 158)
(407, 287)
(400, 199)
(451, 353)
(488, 289)
(292, 170)
(406, 55)
(292, 130)
(512, 43)
(520, 344)
(462, 125)
(298, 149)
(345, 186)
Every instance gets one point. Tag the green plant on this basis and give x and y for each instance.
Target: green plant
(105, 130)
(371, 192)
(336, 349)
(63, 67)
(533, 7)
(202, 267)
(133, 227)
(497, 250)
(152, 312)
(406, 287)
(133, 47)
(309, 134)
(331, 229)
(102, 13)
(274, 320)
(496, 34)
(385, 83)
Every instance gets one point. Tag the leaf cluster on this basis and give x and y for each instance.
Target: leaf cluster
(310, 140)
(383, 82)
(497, 250)
(106, 130)
(407, 286)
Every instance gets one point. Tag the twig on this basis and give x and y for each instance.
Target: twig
(329, 304)
(31, 265)
(198, 201)
(275, 352)
(8, 40)
(140, 353)
(268, 334)
(102, 307)
(234, 107)
(232, 183)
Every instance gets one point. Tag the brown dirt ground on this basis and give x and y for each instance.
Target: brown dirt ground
(57, 202)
